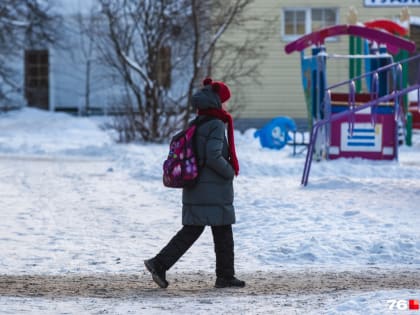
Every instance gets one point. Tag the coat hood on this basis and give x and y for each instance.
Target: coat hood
(206, 98)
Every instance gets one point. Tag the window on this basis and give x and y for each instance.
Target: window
(294, 23)
(322, 18)
(164, 67)
(37, 78)
(301, 21)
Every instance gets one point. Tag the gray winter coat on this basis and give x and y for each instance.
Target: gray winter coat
(210, 200)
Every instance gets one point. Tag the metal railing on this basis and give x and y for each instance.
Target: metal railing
(394, 95)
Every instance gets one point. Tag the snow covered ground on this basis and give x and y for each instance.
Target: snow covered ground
(75, 204)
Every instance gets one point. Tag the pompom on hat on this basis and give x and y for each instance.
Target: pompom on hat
(218, 87)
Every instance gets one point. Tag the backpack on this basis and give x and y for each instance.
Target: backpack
(180, 169)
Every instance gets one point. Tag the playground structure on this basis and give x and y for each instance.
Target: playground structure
(354, 123)
(414, 110)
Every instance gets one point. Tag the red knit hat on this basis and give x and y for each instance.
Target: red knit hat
(219, 87)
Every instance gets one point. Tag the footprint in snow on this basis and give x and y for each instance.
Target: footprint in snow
(350, 213)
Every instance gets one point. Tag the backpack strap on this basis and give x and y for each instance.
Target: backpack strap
(201, 119)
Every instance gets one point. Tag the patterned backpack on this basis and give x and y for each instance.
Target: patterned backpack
(180, 169)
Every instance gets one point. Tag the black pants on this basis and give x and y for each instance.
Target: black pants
(182, 241)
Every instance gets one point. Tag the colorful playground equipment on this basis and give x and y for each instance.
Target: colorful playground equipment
(346, 121)
(359, 46)
(414, 109)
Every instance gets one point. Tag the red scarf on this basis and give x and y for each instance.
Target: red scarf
(227, 118)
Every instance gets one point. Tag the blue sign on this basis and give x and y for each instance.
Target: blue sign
(391, 3)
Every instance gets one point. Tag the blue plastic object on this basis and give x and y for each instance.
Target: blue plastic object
(274, 135)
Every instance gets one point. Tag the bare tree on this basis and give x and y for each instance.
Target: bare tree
(136, 44)
(23, 23)
(162, 50)
(230, 60)
(84, 24)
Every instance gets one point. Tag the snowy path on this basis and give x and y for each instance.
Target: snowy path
(284, 292)
(200, 284)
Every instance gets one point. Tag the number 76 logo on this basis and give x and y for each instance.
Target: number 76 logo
(403, 305)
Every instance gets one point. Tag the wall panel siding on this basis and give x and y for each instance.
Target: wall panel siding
(280, 92)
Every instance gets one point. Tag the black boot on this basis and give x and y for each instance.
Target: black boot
(157, 271)
(229, 282)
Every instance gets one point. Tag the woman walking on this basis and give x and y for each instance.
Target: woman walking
(210, 201)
